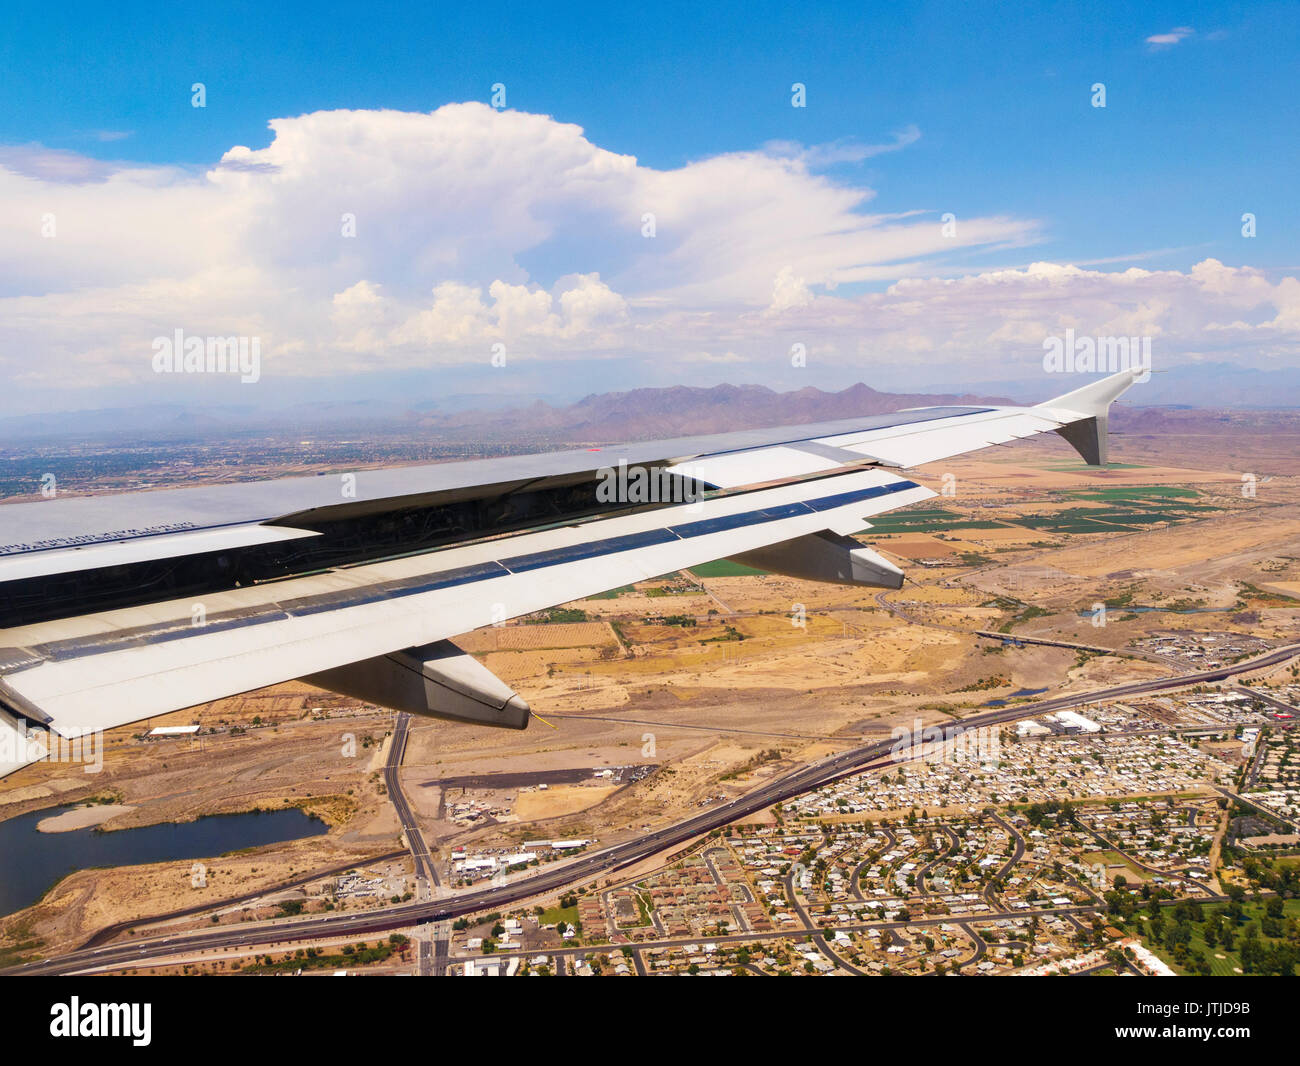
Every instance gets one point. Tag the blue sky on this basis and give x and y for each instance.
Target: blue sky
(1192, 135)
(992, 102)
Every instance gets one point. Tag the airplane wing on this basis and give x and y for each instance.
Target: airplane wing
(115, 609)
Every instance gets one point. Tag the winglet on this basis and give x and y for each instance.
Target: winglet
(1096, 398)
(1086, 411)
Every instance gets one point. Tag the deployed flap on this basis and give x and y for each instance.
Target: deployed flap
(826, 557)
(437, 680)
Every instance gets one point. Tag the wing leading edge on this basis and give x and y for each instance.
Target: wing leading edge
(789, 502)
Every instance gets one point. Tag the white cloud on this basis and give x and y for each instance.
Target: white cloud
(475, 227)
(789, 292)
(846, 150)
(1168, 40)
(591, 304)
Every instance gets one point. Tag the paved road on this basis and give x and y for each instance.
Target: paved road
(1013, 638)
(431, 954)
(737, 914)
(942, 852)
(615, 857)
(981, 945)
(1272, 701)
(818, 936)
(392, 781)
(1255, 805)
(1017, 844)
(872, 857)
(805, 934)
(109, 932)
(620, 720)
(1017, 639)
(1155, 871)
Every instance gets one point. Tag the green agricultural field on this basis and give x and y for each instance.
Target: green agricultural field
(1127, 510)
(1104, 519)
(921, 521)
(1076, 520)
(612, 594)
(724, 568)
(1135, 493)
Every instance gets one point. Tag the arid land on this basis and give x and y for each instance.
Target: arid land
(718, 679)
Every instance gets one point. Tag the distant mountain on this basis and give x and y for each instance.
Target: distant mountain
(685, 410)
(638, 414)
(160, 420)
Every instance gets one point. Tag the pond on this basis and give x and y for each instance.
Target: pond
(1018, 693)
(31, 862)
(1161, 610)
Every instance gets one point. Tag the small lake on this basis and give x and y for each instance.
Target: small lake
(31, 862)
(1161, 610)
(1015, 695)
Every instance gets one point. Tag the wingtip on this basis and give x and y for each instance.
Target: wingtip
(1084, 413)
(1095, 398)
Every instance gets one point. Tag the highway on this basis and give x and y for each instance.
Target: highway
(118, 928)
(1013, 638)
(617, 856)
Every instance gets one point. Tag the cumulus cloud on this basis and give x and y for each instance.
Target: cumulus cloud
(360, 241)
(1006, 314)
(789, 291)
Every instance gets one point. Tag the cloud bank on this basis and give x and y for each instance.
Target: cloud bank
(369, 241)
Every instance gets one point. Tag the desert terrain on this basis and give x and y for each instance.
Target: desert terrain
(675, 693)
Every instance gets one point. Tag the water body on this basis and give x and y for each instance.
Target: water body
(1019, 692)
(31, 862)
(1161, 610)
